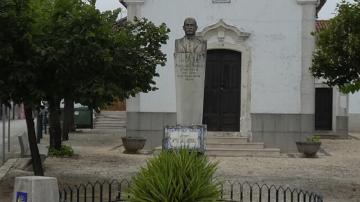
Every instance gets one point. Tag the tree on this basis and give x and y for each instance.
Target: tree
(55, 49)
(88, 57)
(337, 58)
(17, 71)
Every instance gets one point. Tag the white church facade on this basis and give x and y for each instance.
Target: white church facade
(257, 82)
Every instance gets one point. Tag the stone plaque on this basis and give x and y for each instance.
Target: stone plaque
(190, 62)
(191, 137)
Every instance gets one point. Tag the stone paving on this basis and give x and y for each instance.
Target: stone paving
(335, 174)
(17, 127)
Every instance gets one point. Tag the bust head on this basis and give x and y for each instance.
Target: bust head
(190, 27)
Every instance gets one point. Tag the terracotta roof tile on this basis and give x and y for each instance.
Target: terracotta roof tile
(321, 24)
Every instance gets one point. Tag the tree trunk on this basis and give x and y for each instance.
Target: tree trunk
(68, 122)
(72, 118)
(54, 120)
(35, 155)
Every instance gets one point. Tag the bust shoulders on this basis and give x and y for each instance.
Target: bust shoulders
(194, 44)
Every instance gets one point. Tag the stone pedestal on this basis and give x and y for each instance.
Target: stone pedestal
(36, 189)
(190, 62)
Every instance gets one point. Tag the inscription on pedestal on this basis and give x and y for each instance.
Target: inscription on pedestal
(189, 67)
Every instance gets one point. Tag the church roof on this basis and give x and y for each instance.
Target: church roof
(321, 24)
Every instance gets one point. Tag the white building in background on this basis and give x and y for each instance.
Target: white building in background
(354, 112)
(258, 82)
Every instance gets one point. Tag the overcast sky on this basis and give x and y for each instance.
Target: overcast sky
(326, 12)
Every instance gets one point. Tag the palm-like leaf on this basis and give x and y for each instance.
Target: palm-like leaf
(176, 176)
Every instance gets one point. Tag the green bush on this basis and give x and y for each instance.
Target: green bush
(176, 176)
(314, 138)
(65, 151)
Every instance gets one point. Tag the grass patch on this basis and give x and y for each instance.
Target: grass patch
(65, 151)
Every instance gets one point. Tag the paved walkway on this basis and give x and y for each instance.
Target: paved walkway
(99, 156)
(17, 127)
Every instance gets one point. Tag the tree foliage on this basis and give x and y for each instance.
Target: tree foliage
(337, 58)
(55, 49)
(18, 72)
(89, 57)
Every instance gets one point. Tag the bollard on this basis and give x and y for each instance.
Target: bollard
(36, 189)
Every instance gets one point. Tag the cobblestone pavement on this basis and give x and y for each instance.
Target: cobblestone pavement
(335, 174)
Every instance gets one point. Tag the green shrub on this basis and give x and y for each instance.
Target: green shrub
(176, 176)
(314, 138)
(65, 151)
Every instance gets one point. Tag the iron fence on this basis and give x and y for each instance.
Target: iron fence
(115, 191)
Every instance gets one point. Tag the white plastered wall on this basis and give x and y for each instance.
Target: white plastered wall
(276, 44)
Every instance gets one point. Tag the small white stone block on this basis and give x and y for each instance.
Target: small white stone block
(36, 189)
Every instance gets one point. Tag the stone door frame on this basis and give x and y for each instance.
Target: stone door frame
(224, 36)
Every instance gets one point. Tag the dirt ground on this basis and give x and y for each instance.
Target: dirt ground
(335, 174)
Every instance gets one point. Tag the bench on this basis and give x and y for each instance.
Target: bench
(25, 147)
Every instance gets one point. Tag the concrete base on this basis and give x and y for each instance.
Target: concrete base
(149, 125)
(281, 130)
(36, 189)
(342, 125)
(275, 130)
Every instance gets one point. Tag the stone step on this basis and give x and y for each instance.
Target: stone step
(109, 127)
(110, 118)
(115, 112)
(226, 140)
(120, 131)
(223, 134)
(249, 145)
(267, 152)
(109, 122)
(112, 114)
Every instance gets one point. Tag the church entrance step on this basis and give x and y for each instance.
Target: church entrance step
(226, 140)
(235, 145)
(267, 152)
(223, 134)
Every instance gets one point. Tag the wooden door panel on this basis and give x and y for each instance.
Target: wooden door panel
(323, 108)
(222, 90)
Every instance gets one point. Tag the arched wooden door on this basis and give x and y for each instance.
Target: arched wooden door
(222, 90)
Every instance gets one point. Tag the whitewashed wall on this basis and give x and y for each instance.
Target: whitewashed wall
(275, 44)
(354, 112)
(354, 103)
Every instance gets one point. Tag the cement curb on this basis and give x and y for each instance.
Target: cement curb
(4, 169)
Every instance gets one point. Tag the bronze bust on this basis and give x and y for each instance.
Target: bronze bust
(190, 43)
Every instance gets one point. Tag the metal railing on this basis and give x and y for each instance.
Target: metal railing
(115, 191)
(106, 191)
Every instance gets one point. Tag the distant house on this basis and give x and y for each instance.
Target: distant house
(260, 51)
